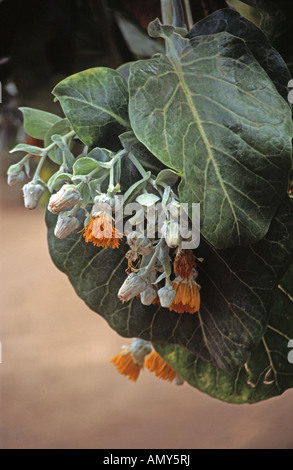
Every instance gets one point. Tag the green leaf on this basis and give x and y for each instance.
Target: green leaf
(61, 127)
(67, 155)
(32, 149)
(267, 373)
(275, 17)
(168, 177)
(136, 38)
(235, 24)
(84, 165)
(210, 111)
(143, 155)
(147, 199)
(95, 102)
(36, 122)
(58, 178)
(101, 155)
(237, 288)
(136, 187)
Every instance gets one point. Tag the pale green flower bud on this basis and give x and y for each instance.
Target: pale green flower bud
(140, 244)
(15, 174)
(65, 225)
(139, 350)
(67, 196)
(105, 203)
(171, 232)
(32, 193)
(166, 295)
(174, 208)
(178, 380)
(148, 295)
(131, 287)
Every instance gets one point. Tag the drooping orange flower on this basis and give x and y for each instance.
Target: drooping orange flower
(154, 363)
(101, 232)
(125, 364)
(184, 263)
(130, 360)
(187, 298)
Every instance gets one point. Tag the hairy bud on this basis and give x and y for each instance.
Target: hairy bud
(65, 225)
(32, 193)
(166, 295)
(15, 175)
(148, 295)
(131, 287)
(67, 196)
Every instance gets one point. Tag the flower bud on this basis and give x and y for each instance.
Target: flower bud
(32, 193)
(15, 178)
(174, 208)
(139, 243)
(171, 232)
(178, 380)
(67, 196)
(166, 295)
(131, 287)
(148, 295)
(65, 225)
(139, 350)
(105, 203)
(15, 174)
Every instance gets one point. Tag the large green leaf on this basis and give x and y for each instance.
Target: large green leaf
(36, 122)
(95, 101)
(267, 372)
(234, 23)
(237, 292)
(209, 110)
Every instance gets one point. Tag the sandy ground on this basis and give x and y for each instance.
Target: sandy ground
(58, 389)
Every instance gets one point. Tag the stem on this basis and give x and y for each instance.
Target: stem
(188, 14)
(137, 165)
(153, 260)
(45, 152)
(117, 158)
(39, 167)
(178, 14)
(167, 11)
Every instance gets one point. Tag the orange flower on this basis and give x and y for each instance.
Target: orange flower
(184, 263)
(130, 360)
(101, 232)
(156, 364)
(125, 364)
(187, 298)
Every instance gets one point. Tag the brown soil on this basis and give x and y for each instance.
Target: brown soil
(59, 390)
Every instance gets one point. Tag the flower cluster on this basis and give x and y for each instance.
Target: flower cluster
(180, 295)
(83, 197)
(139, 354)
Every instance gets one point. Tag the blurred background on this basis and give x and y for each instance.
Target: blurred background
(58, 389)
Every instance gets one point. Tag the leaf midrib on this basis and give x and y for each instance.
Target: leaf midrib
(178, 69)
(117, 118)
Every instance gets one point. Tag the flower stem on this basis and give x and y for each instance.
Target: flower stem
(188, 14)
(45, 152)
(137, 165)
(39, 167)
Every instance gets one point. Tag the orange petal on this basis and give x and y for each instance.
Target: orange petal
(156, 364)
(184, 262)
(187, 298)
(126, 365)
